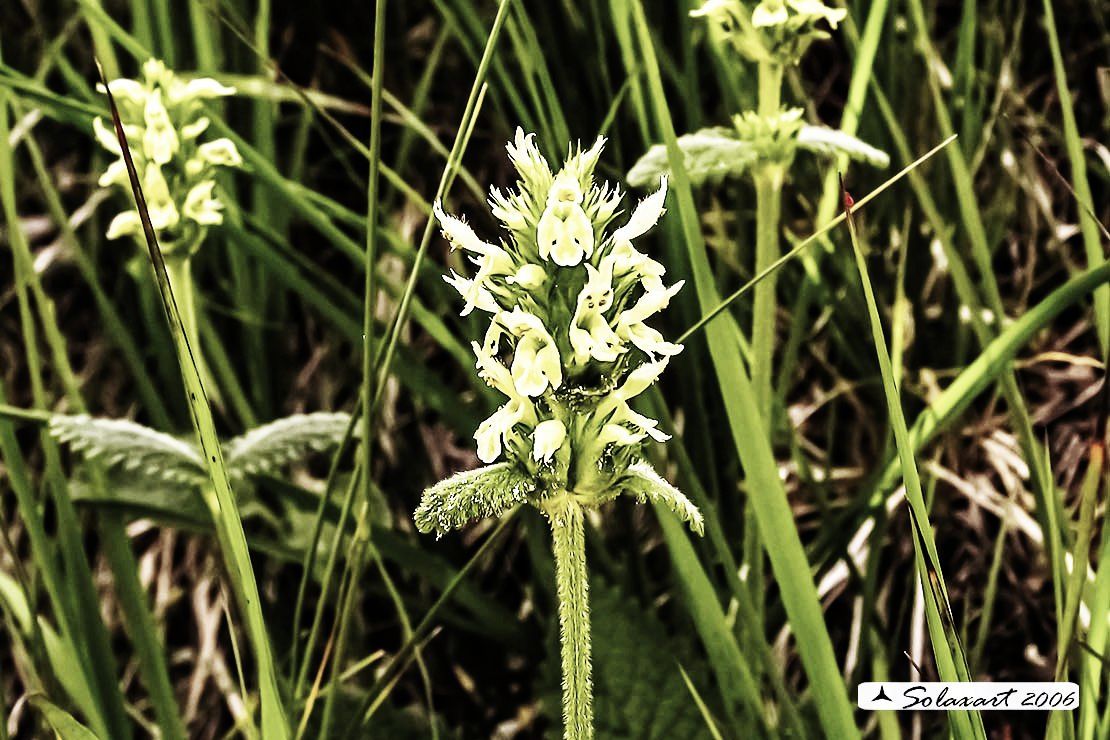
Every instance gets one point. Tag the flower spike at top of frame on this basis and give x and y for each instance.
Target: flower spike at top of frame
(163, 119)
(779, 30)
(774, 33)
(568, 346)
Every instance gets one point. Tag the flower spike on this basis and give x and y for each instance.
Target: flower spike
(568, 346)
(163, 120)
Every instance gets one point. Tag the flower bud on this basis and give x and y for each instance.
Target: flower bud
(547, 438)
(528, 277)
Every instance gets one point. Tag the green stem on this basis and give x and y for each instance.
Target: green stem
(180, 271)
(572, 585)
(768, 189)
(163, 27)
(361, 542)
(770, 88)
(141, 27)
(768, 197)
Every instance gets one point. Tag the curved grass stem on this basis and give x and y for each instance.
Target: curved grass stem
(179, 269)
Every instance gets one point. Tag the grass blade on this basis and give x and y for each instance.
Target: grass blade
(61, 721)
(387, 679)
(737, 684)
(362, 537)
(1088, 499)
(1088, 226)
(77, 607)
(1049, 510)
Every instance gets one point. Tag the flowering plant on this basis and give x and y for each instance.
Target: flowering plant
(163, 120)
(778, 30)
(569, 300)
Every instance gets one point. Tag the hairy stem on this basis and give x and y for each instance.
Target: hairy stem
(768, 196)
(569, 542)
(768, 188)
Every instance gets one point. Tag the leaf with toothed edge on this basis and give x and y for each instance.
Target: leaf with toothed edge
(830, 142)
(473, 494)
(132, 447)
(146, 457)
(710, 155)
(645, 484)
(266, 449)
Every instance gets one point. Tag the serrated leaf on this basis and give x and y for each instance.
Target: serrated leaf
(709, 155)
(268, 448)
(645, 484)
(132, 447)
(830, 142)
(473, 494)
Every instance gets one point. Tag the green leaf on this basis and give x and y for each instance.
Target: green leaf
(139, 497)
(268, 448)
(645, 484)
(131, 447)
(830, 142)
(474, 494)
(145, 456)
(61, 721)
(64, 664)
(709, 155)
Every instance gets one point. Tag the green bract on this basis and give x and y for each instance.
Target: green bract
(163, 120)
(568, 342)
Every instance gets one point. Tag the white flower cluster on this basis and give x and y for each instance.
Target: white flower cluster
(770, 13)
(788, 26)
(569, 302)
(163, 120)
